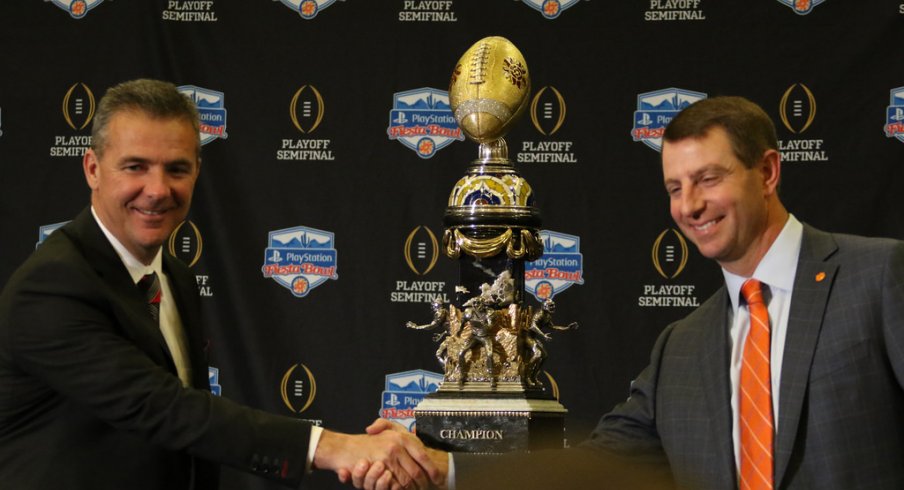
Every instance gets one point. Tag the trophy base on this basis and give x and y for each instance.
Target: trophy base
(490, 423)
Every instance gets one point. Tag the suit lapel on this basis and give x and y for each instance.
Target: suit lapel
(714, 371)
(812, 284)
(126, 298)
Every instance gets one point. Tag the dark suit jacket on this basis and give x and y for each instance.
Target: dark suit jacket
(89, 397)
(841, 402)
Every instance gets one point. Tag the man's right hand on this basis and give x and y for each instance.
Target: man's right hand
(376, 476)
(403, 459)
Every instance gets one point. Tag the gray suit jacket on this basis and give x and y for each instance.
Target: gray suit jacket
(841, 402)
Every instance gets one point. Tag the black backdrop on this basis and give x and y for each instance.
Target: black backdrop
(306, 148)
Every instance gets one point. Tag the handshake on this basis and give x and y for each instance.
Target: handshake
(387, 457)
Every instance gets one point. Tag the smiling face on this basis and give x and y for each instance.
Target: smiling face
(729, 211)
(142, 180)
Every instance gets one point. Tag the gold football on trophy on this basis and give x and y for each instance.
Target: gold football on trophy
(489, 89)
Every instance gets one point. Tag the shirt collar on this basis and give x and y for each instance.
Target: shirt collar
(136, 269)
(777, 268)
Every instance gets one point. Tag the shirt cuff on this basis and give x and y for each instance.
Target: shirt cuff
(316, 431)
(450, 475)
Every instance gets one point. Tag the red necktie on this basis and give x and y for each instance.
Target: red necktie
(149, 284)
(755, 397)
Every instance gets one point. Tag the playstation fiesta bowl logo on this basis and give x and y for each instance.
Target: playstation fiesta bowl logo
(422, 120)
(655, 110)
(894, 122)
(560, 267)
(76, 8)
(45, 230)
(213, 377)
(402, 393)
(211, 109)
(307, 9)
(300, 259)
(802, 7)
(551, 8)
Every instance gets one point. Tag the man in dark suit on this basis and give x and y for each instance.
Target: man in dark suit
(103, 383)
(831, 397)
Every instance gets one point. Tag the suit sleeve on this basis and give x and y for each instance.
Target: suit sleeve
(893, 311)
(629, 430)
(67, 332)
(623, 452)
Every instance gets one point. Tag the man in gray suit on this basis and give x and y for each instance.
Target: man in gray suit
(836, 309)
(837, 326)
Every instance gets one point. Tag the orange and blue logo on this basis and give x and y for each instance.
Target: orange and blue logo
(655, 110)
(551, 8)
(45, 230)
(76, 8)
(422, 120)
(894, 120)
(403, 391)
(212, 109)
(307, 9)
(802, 7)
(300, 259)
(560, 267)
(213, 376)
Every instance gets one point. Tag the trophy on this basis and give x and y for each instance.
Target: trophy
(492, 398)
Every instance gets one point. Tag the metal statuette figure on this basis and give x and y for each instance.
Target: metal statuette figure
(440, 319)
(534, 346)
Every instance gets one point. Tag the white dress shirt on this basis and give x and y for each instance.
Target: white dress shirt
(776, 270)
(170, 322)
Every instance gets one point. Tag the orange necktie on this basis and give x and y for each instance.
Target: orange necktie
(755, 398)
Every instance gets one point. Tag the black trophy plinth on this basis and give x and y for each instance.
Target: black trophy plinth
(484, 423)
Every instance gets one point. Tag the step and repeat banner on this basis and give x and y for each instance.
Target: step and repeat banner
(329, 152)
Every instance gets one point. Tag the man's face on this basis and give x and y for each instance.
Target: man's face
(718, 203)
(142, 185)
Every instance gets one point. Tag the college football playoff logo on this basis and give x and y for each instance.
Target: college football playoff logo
(421, 250)
(78, 106)
(306, 109)
(797, 108)
(669, 253)
(547, 110)
(298, 388)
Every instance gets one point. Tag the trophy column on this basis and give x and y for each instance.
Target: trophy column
(491, 345)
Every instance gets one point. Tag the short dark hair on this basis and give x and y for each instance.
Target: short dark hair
(750, 130)
(153, 97)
